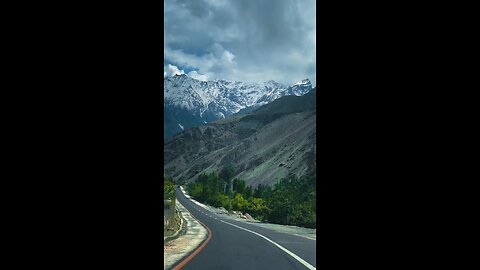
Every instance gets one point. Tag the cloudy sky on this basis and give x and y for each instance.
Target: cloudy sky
(242, 40)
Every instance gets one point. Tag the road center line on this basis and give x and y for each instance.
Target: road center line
(302, 261)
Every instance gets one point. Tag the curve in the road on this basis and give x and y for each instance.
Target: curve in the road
(236, 247)
(309, 266)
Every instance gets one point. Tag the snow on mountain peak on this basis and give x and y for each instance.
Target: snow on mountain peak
(192, 102)
(304, 82)
(190, 93)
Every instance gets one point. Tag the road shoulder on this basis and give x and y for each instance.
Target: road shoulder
(175, 250)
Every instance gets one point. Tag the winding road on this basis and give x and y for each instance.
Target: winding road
(240, 245)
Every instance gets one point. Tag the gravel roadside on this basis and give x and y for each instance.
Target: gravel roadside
(175, 250)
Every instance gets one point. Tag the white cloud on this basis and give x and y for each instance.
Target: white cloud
(198, 76)
(242, 41)
(217, 61)
(228, 57)
(172, 70)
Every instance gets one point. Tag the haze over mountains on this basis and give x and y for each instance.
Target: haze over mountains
(273, 141)
(192, 103)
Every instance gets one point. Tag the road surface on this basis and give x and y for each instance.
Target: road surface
(239, 245)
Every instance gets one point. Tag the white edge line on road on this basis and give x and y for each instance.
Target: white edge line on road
(314, 239)
(309, 266)
(302, 261)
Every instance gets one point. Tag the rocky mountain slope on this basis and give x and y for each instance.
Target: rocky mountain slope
(265, 145)
(191, 103)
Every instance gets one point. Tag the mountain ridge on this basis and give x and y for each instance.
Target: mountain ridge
(273, 141)
(189, 102)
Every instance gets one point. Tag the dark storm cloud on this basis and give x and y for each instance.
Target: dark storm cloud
(248, 40)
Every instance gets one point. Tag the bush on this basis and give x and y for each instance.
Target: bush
(168, 189)
(239, 203)
(221, 200)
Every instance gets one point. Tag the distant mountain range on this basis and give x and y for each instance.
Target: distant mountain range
(191, 103)
(266, 144)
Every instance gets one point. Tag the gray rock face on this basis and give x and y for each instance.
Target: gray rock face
(221, 210)
(249, 217)
(281, 132)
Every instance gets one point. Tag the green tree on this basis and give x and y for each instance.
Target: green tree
(221, 200)
(197, 191)
(168, 189)
(293, 202)
(239, 186)
(227, 172)
(262, 191)
(239, 203)
(257, 207)
(248, 192)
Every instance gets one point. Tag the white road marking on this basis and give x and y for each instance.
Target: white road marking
(306, 264)
(315, 239)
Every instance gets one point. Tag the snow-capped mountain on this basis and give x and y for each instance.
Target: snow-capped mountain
(189, 102)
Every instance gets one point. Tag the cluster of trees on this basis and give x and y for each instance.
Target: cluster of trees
(231, 195)
(168, 189)
(292, 201)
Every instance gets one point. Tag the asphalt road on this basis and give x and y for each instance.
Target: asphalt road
(231, 247)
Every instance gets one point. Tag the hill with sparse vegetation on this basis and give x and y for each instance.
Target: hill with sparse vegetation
(273, 142)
